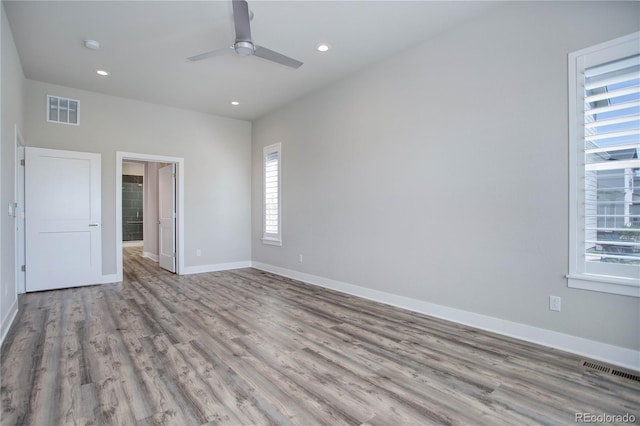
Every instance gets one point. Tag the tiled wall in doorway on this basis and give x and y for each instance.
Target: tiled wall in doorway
(132, 223)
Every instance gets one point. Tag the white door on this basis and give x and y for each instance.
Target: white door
(63, 215)
(167, 217)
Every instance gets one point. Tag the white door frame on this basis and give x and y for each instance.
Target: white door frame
(20, 237)
(179, 162)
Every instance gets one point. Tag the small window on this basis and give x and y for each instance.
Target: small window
(63, 110)
(605, 162)
(272, 232)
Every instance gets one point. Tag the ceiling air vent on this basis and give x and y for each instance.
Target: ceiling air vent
(63, 110)
(609, 370)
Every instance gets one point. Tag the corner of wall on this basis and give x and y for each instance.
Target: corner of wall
(7, 321)
(11, 119)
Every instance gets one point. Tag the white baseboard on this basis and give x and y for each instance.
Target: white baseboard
(187, 270)
(151, 256)
(7, 321)
(611, 354)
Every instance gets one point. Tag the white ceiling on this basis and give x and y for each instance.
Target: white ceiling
(144, 45)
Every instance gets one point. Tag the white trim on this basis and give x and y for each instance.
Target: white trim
(621, 286)
(19, 237)
(272, 241)
(150, 256)
(616, 355)
(179, 161)
(595, 276)
(270, 238)
(216, 267)
(575, 172)
(8, 319)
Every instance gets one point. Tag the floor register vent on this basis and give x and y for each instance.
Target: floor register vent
(609, 370)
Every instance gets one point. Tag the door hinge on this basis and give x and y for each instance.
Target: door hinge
(22, 162)
(23, 268)
(173, 255)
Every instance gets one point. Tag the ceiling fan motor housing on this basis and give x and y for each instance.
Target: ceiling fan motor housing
(243, 44)
(244, 48)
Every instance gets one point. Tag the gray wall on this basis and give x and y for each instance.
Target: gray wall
(442, 174)
(11, 112)
(216, 154)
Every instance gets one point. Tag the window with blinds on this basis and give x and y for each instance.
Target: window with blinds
(607, 174)
(272, 205)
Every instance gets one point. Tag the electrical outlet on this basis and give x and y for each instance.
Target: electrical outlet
(198, 252)
(300, 258)
(555, 303)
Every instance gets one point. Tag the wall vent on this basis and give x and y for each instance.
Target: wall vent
(608, 370)
(626, 375)
(595, 366)
(63, 110)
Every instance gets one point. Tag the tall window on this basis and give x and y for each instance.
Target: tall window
(272, 233)
(605, 161)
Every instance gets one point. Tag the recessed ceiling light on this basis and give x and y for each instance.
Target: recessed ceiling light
(102, 73)
(92, 44)
(235, 103)
(323, 47)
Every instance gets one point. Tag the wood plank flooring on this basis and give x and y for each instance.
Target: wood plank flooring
(245, 347)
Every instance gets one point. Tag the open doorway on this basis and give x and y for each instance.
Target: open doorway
(154, 227)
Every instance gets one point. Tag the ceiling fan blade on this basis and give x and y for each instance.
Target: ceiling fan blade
(241, 20)
(270, 55)
(212, 53)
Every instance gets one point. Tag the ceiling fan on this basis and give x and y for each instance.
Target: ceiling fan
(243, 44)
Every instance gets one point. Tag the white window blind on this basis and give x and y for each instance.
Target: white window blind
(271, 194)
(272, 220)
(607, 222)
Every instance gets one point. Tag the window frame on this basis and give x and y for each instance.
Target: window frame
(271, 238)
(579, 274)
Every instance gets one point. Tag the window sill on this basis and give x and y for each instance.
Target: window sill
(605, 284)
(272, 242)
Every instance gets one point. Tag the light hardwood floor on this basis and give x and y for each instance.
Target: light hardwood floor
(247, 347)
